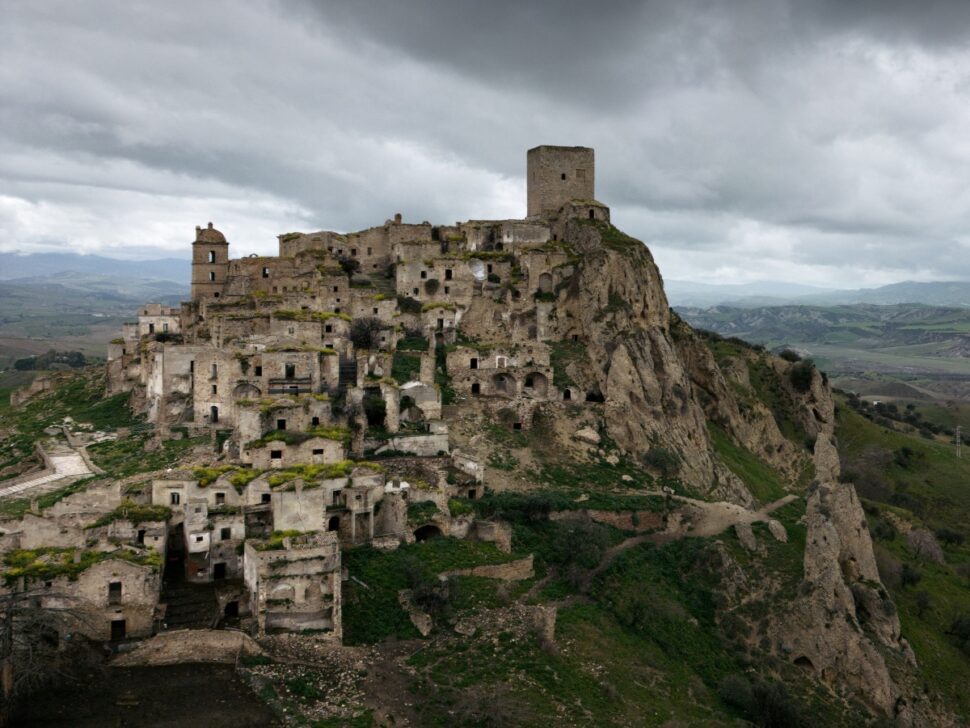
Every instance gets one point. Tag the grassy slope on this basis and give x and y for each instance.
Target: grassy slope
(936, 486)
(763, 482)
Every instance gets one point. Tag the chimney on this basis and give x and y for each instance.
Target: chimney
(397, 218)
(210, 225)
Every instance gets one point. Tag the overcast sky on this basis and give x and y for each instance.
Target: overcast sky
(820, 142)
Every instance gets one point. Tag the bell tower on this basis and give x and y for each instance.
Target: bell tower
(210, 263)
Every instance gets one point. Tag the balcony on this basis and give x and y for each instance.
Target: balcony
(294, 385)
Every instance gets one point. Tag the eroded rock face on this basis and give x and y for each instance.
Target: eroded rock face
(616, 300)
(662, 385)
(843, 609)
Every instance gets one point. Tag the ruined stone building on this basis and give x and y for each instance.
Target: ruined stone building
(343, 347)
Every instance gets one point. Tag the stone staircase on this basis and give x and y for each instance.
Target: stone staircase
(348, 373)
(189, 606)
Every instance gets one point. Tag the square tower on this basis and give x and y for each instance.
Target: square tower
(557, 175)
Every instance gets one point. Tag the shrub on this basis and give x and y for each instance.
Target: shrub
(365, 333)
(909, 576)
(662, 459)
(923, 603)
(950, 537)
(790, 355)
(766, 703)
(801, 375)
(772, 707)
(578, 546)
(408, 304)
(960, 629)
(904, 457)
(736, 692)
(349, 265)
(924, 545)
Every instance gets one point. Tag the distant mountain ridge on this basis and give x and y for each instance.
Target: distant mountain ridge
(766, 293)
(38, 265)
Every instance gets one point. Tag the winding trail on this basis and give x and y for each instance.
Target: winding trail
(64, 463)
(697, 519)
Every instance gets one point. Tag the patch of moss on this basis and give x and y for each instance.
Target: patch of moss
(134, 512)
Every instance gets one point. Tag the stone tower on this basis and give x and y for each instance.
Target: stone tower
(557, 175)
(210, 263)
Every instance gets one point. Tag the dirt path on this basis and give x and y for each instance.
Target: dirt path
(64, 463)
(697, 518)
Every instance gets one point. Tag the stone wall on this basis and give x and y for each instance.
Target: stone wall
(556, 175)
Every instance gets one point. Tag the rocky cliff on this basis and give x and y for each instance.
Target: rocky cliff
(663, 387)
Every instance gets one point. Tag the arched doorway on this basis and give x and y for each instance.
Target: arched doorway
(427, 532)
(246, 391)
(504, 384)
(536, 384)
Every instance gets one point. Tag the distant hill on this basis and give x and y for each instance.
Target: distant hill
(904, 339)
(105, 287)
(760, 294)
(15, 266)
(73, 311)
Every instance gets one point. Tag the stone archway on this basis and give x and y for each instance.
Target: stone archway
(504, 384)
(427, 532)
(245, 390)
(537, 384)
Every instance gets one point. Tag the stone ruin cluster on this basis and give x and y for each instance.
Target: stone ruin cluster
(327, 376)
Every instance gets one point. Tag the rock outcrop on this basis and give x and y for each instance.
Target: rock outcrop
(662, 385)
(844, 617)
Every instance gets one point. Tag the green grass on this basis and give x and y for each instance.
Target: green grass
(80, 397)
(372, 612)
(17, 507)
(134, 512)
(646, 648)
(405, 367)
(121, 458)
(561, 355)
(934, 494)
(421, 512)
(764, 483)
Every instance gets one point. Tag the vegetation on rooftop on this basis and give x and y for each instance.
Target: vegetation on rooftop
(285, 314)
(322, 471)
(49, 563)
(134, 512)
(337, 433)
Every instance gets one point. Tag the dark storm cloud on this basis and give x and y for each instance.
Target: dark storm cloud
(823, 141)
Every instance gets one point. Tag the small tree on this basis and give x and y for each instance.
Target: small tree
(924, 545)
(662, 459)
(923, 603)
(365, 333)
(349, 265)
(960, 629)
(950, 537)
(909, 576)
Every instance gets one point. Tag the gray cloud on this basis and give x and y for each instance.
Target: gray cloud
(816, 141)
